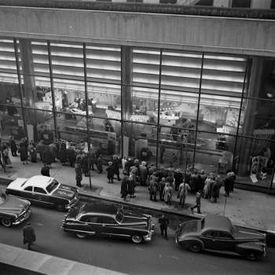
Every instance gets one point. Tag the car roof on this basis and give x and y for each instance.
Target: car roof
(38, 181)
(219, 223)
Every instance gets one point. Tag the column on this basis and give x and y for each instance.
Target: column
(28, 72)
(127, 142)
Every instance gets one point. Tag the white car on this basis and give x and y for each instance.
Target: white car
(45, 191)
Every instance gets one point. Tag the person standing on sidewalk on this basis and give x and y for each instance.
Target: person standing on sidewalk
(13, 146)
(116, 164)
(78, 172)
(23, 151)
(124, 187)
(198, 203)
(99, 163)
(164, 222)
(29, 236)
(110, 172)
(182, 194)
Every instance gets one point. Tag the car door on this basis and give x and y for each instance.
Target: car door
(40, 196)
(109, 226)
(91, 224)
(27, 193)
(224, 241)
(208, 238)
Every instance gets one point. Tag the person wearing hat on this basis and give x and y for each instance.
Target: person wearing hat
(110, 172)
(164, 222)
(29, 236)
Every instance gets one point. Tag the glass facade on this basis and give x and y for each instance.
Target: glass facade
(171, 108)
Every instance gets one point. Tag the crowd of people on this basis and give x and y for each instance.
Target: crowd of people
(163, 184)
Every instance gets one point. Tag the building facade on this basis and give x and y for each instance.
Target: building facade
(177, 90)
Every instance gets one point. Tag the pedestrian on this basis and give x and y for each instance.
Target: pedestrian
(33, 152)
(85, 164)
(131, 185)
(99, 163)
(215, 192)
(92, 158)
(167, 193)
(116, 165)
(29, 236)
(6, 157)
(23, 151)
(164, 222)
(143, 170)
(198, 203)
(124, 163)
(78, 172)
(124, 187)
(13, 146)
(71, 155)
(153, 189)
(110, 172)
(161, 185)
(63, 153)
(182, 194)
(45, 171)
(178, 179)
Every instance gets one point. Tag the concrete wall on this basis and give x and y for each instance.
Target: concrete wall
(216, 34)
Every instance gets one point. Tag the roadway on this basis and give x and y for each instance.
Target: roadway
(158, 257)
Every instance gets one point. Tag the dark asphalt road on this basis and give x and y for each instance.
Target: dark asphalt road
(158, 257)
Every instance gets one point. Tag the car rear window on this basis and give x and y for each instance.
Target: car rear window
(53, 185)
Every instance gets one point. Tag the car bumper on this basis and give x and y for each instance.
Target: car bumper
(148, 237)
(23, 217)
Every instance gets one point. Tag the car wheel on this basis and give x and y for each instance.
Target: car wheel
(137, 239)
(251, 256)
(60, 207)
(81, 235)
(195, 247)
(6, 222)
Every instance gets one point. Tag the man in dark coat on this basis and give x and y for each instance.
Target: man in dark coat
(99, 163)
(13, 146)
(85, 164)
(23, 151)
(164, 222)
(78, 172)
(45, 171)
(71, 156)
(110, 172)
(63, 153)
(116, 164)
(29, 236)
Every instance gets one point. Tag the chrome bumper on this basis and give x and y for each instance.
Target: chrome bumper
(23, 217)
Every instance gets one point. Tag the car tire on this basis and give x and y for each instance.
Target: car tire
(60, 207)
(6, 222)
(195, 247)
(81, 235)
(252, 256)
(137, 239)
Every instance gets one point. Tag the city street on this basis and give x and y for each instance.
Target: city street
(158, 257)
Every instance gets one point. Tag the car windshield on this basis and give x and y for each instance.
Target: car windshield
(119, 216)
(52, 186)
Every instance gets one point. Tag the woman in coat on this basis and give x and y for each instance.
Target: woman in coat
(124, 187)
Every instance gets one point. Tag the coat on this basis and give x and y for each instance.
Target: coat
(28, 234)
(124, 187)
(110, 171)
(23, 151)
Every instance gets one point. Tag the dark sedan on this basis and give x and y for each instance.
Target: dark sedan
(45, 191)
(217, 233)
(87, 220)
(13, 210)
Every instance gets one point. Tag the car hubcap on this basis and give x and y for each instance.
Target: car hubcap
(136, 239)
(251, 256)
(6, 222)
(195, 248)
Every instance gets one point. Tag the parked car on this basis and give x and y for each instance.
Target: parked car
(45, 191)
(13, 210)
(87, 220)
(217, 233)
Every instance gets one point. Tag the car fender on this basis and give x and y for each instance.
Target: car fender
(185, 241)
(250, 246)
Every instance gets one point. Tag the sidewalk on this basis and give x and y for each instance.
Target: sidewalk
(246, 208)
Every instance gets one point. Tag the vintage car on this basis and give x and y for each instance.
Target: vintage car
(88, 220)
(13, 210)
(45, 191)
(217, 233)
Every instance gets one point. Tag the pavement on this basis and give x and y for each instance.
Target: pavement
(243, 207)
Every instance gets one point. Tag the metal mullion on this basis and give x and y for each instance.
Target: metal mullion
(86, 106)
(20, 86)
(159, 94)
(198, 111)
(52, 87)
(122, 106)
(239, 116)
